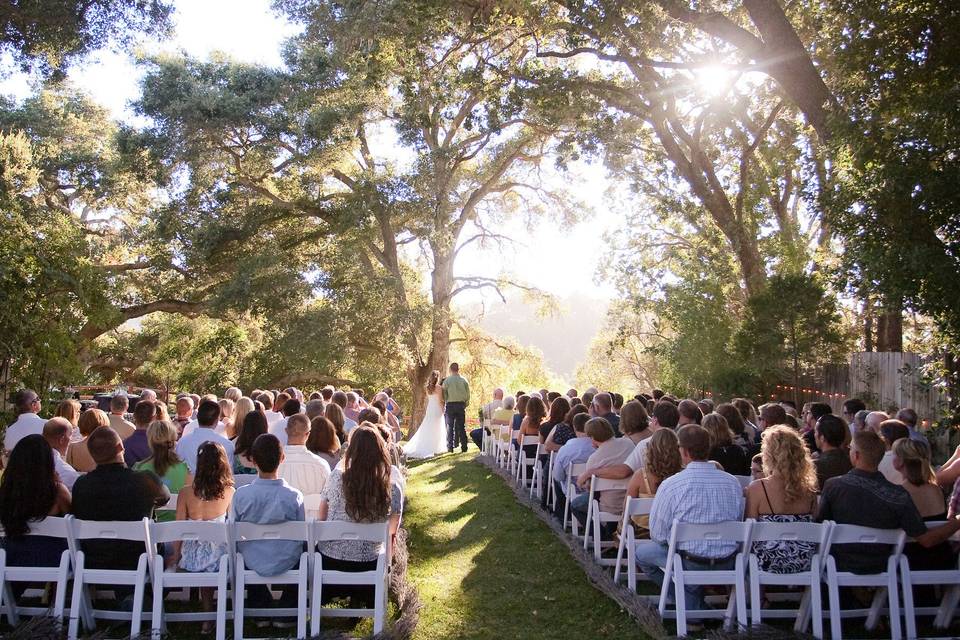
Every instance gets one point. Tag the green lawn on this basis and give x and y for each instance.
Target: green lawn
(486, 568)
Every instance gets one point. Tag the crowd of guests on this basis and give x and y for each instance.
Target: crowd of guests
(126, 466)
(864, 468)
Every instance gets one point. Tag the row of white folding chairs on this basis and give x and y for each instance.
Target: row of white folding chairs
(822, 569)
(150, 570)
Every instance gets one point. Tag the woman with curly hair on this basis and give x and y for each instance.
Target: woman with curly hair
(207, 499)
(788, 493)
(360, 492)
(662, 460)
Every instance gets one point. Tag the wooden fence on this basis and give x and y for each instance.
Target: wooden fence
(885, 381)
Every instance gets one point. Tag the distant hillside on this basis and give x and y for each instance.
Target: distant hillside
(563, 338)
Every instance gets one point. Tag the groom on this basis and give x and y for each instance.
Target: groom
(456, 396)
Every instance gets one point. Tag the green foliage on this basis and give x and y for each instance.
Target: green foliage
(47, 35)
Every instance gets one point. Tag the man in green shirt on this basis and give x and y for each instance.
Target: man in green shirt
(456, 396)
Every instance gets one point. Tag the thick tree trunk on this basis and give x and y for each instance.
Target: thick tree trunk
(890, 331)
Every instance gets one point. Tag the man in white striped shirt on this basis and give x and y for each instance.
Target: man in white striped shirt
(701, 493)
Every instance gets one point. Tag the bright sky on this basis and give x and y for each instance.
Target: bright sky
(559, 260)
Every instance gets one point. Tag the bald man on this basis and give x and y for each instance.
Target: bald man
(57, 434)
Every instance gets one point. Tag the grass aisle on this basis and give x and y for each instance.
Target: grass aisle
(487, 568)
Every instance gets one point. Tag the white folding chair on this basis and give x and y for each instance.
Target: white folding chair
(885, 582)
(512, 452)
(678, 577)
(811, 532)
(551, 489)
(196, 531)
(597, 517)
(84, 578)
(60, 575)
(486, 436)
(525, 463)
(311, 505)
(377, 578)
(294, 531)
(536, 484)
(949, 578)
(628, 541)
(573, 472)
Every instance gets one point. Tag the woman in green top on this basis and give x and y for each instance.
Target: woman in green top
(164, 461)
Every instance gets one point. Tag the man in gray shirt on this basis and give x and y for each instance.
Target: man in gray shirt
(456, 396)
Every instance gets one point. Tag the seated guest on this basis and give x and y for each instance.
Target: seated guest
(118, 422)
(664, 416)
(771, 414)
(164, 461)
(29, 492)
(206, 499)
(700, 493)
(634, 422)
(302, 469)
(184, 412)
(26, 405)
(227, 407)
(756, 467)
(208, 413)
(268, 399)
(788, 493)
(269, 500)
(313, 408)
(891, 431)
(334, 414)
(69, 410)
(371, 415)
(530, 426)
(503, 415)
(381, 402)
(353, 408)
(610, 451)
(254, 425)
(662, 461)
(339, 398)
(814, 412)
(112, 491)
(602, 407)
(689, 413)
(575, 451)
(360, 492)
(323, 441)
(706, 406)
(851, 407)
(912, 459)
(136, 446)
(558, 411)
(57, 432)
(866, 498)
(78, 456)
(279, 428)
(910, 418)
(564, 432)
(750, 418)
(874, 419)
(731, 456)
(244, 406)
(735, 422)
(830, 432)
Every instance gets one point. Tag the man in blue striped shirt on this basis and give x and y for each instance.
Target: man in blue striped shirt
(702, 494)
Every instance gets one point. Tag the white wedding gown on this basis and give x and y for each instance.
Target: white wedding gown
(431, 438)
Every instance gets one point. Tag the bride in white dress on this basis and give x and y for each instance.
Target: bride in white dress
(431, 437)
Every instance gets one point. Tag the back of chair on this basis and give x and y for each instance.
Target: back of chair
(133, 530)
(607, 484)
(194, 530)
(855, 534)
(790, 531)
(731, 531)
(52, 527)
(171, 505)
(329, 530)
(295, 530)
(638, 506)
(530, 440)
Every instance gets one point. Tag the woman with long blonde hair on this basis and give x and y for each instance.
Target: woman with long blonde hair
(788, 493)
(430, 437)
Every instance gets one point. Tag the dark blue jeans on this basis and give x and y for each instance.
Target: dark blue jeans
(456, 425)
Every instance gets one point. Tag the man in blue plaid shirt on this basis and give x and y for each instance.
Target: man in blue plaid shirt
(701, 494)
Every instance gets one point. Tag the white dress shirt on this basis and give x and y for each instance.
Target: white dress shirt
(279, 429)
(193, 425)
(272, 416)
(27, 424)
(303, 470)
(188, 445)
(348, 425)
(68, 475)
(886, 468)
